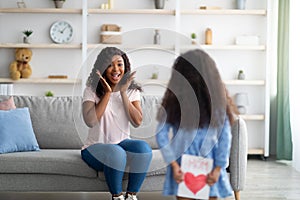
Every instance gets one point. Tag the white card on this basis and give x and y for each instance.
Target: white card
(195, 169)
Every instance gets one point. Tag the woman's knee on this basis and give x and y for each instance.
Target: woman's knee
(110, 155)
(142, 147)
(115, 154)
(116, 151)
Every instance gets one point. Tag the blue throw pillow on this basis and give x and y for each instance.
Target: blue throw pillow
(16, 132)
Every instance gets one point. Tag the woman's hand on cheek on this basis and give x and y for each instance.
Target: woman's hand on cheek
(105, 85)
(127, 82)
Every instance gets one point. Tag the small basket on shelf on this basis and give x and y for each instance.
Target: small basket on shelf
(110, 34)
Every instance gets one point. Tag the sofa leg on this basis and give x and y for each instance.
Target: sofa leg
(237, 195)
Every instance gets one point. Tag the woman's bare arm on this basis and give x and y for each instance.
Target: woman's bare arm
(92, 113)
(133, 110)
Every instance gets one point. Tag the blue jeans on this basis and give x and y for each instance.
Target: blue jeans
(112, 159)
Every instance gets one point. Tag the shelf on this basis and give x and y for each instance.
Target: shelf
(255, 152)
(245, 82)
(41, 10)
(41, 46)
(132, 11)
(225, 47)
(185, 48)
(227, 82)
(41, 81)
(223, 12)
(253, 117)
(133, 47)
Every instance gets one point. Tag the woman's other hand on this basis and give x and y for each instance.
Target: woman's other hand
(126, 83)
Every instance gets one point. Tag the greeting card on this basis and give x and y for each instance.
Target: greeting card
(195, 170)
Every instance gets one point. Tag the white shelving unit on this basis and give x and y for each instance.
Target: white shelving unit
(49, 52)
(177, 21)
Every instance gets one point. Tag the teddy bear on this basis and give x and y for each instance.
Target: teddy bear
(20, 67)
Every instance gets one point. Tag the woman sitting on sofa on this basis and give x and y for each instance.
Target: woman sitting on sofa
(111, 101)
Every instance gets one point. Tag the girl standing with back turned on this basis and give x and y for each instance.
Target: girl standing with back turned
(198, 110)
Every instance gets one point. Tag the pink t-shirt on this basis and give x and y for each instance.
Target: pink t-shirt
(114, 125)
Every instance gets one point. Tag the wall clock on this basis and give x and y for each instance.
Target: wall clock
(61, 32)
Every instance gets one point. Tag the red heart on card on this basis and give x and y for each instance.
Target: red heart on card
(194, 183)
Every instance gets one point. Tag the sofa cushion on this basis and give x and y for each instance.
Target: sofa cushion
(157, 166)
(7, 104)
(57, 121)
(59, 161)
(70, 130)
(16, 133)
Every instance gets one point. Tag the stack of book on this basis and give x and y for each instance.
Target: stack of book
(6, 89)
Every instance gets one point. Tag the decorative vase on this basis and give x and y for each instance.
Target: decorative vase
(241, 4)
(159, 4)
(21, 4)
(58, 3)
(26, 40)
(208, 36)
(156, 37)
(242, 110)
(194, 41)
(110, 4)
(241, 101)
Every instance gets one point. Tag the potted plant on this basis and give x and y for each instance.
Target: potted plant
(49, 93)
(155, 73)
(59, 3)
(27, 34)
(194, 37)
(241, 75)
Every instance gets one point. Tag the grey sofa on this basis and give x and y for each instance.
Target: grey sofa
(60, 132)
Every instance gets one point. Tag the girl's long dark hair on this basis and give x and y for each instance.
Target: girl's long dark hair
(204, 84)
(102, 62)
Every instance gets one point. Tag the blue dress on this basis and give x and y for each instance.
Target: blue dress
(194, 142)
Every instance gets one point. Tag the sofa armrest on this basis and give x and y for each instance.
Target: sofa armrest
(238, 154)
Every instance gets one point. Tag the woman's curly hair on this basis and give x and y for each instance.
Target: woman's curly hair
(102, 62)
(196, 91)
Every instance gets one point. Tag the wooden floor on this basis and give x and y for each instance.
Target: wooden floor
(266, 180)
(271, 180)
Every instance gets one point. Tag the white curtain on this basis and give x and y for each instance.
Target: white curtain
(295, 79)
